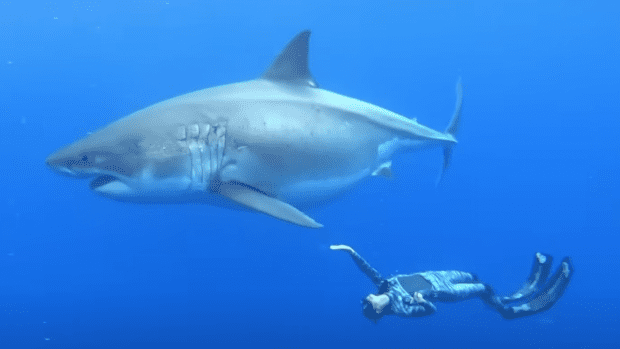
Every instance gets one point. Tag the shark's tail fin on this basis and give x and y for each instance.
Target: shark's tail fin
(452, 130)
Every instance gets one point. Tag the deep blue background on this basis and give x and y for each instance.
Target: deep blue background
(536, 169)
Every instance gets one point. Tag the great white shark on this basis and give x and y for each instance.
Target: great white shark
(269, 144)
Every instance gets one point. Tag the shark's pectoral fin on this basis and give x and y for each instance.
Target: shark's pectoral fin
(266, 204)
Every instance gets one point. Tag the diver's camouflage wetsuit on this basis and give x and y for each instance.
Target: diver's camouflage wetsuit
(449, 286)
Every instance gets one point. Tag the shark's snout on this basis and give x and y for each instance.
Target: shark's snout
(60, 164)
(55, 163)
(51, 160)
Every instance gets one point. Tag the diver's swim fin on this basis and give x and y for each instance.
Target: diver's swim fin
(540, 271)
(548, 296)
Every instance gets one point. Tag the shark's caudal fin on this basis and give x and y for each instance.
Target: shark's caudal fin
(452, 130)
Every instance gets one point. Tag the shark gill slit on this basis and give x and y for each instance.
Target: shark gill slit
(206, 145)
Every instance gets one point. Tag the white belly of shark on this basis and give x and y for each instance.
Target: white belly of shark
(267, 144)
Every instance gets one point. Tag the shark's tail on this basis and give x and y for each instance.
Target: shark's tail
(452, 130)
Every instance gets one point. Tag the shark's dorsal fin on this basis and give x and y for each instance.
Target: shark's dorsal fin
(291, 65)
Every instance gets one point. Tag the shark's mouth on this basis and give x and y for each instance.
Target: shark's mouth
(102, 181)
(111, 186)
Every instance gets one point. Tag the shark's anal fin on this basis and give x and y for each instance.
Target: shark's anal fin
(266, 204)
(291, 65)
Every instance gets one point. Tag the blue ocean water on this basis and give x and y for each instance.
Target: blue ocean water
(536, 169)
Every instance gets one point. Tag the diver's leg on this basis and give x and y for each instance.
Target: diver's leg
(461, 277)
(547, 297)
(452, 292)
(540, 270)
(446, 291)
(464, 291)
(453, 285)
(444, 278)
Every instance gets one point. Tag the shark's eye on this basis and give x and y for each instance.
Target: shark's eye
(85, 158)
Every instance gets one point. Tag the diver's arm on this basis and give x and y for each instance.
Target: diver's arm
(371, 272)
(428, 307)
(416, 306)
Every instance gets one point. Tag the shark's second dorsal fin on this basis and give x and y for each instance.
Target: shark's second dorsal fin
(291, 65)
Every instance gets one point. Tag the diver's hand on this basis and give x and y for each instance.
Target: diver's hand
(417, 296)
(342, 247)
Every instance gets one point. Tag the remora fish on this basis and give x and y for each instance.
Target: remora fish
(267, 144)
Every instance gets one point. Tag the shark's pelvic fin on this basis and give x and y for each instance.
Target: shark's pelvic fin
(452, 130)
(384, 170)
(291, 65)
(266, 204)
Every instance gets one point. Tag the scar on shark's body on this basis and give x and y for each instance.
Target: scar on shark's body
(268, 144)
